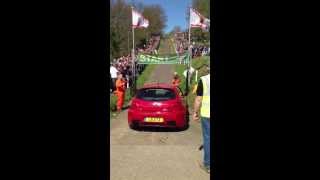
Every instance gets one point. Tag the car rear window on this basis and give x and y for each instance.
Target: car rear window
(156, 94)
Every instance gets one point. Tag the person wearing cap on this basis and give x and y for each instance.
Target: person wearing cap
(176, 80)
(202, 104)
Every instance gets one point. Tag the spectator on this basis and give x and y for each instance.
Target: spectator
(176, 80)
(113, 74)
(199, 51)
(120, 92)
(126, 75)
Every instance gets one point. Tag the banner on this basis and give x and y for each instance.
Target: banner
(148, 59)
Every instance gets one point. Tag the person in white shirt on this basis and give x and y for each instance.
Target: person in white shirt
(203, 52)
(113, 73)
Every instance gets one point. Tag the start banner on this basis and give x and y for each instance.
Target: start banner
(149, 59)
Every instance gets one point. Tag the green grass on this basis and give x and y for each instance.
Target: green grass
(179, 68)
(196, 63)
(162, 48)
(142, 78)
(172, 49)
(166, 47)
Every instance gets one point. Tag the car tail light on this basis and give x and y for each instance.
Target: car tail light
(135, 106)
(175, 107)
(170, 108)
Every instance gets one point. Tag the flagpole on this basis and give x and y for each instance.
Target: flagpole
(133, 59)
(190, 53)
(189, 28)
(190, 50)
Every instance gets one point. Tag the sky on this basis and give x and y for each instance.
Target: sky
(175, 11)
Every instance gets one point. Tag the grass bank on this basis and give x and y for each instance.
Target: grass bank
(145, 75)
(196, 64)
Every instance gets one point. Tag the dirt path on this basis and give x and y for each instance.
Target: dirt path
(162, 74)
(155, 154)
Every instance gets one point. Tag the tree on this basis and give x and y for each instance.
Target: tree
(202, 6)
(120, 25)
(157, 19)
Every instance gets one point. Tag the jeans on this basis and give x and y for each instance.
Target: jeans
(205, 123)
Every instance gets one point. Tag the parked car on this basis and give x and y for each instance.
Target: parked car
(160, 105)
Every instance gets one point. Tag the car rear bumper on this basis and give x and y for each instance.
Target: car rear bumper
(171, 119)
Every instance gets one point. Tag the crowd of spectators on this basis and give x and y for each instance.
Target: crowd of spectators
(181, 44)
(151, 46)
(124, 64)
(200, 50)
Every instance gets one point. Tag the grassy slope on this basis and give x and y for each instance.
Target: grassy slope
(163, 47)
(196, 63)
(144, 76)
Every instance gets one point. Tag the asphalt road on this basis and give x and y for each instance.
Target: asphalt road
(153, 153)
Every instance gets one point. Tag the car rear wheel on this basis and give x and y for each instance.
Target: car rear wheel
(185, 127)
(133, 126)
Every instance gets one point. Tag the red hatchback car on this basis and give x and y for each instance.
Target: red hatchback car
(160, 105)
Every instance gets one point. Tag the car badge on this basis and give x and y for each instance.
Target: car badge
(156, 104)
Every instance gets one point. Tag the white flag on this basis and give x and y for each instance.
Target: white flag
(197, 20)
(138, 21)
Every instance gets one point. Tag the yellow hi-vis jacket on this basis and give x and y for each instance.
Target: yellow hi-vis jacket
(205, 105)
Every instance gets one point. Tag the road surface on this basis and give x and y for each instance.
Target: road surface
(155, 154)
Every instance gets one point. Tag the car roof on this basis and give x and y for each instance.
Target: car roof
(158, 85)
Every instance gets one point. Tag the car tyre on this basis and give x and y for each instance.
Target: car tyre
(185, 127)
(132, 126)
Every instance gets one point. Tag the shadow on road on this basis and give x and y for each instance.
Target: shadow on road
(125, 107)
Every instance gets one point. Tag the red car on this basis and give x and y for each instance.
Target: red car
(160, 105)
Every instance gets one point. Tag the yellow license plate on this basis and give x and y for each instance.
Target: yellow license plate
(153, 119)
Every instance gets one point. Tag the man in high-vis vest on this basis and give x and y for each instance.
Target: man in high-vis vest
(203, 100)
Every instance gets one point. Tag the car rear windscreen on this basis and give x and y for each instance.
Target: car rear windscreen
(156, 94)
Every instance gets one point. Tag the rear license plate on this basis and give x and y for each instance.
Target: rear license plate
(153, 119)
